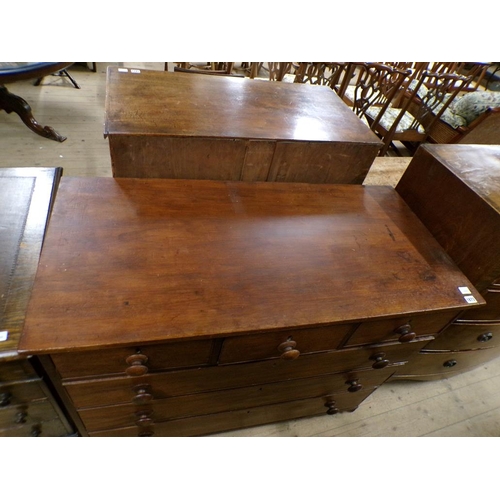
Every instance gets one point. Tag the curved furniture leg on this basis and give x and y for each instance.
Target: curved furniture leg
(13, 103)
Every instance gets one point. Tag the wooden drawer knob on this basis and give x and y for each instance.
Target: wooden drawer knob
(332, 407)
(5, 398)
(288, 350)
(142, 394)
(137, 364)
(36, 431)
(485, 337)
(450, 363)
(146, 433)
(354, 385)
(144, 418)
(405, 333)
(380, 361)
(21, 417)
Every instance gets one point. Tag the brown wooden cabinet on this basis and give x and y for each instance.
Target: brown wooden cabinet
(181, 126)
(455, 191)
(180, 307)
(27, 405)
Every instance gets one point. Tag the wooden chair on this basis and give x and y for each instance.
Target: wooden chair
(330, 74)
(375, 86)
(210, 67)
(423, 105)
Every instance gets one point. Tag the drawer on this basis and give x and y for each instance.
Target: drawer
(133, 361)
(11, 371)
(462, 337)
(119, 390)
(27, 413)
(24, 392)
(446, 363)
(283, 344)
(219, 422)
(400, 329)
(491, 311)
(109, 417)
(50, 428)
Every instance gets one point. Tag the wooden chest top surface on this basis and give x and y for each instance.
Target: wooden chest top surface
(478, 166)
(130, 261)
(181, 105)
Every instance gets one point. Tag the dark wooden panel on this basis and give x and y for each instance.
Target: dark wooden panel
(42, 428)
(267, 345)
(467, 336)
(396, 328)
(174, 158)
(322, 162)
(491, 311)
(258, 159)
(218, 422)
(119, 390)
(20, 369)
(446, 363)
(16, 393)
(28, 413)
(114, 361)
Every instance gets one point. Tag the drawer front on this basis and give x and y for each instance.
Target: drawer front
(27, 413)
(283, 344)
(400, 329)
(219, 422)
(11, 371)
(50, 428)
(447, 363)
(491, 311)
(119, 390)
(460, 337)
(133, 361)
(24, 392)
(233, 399)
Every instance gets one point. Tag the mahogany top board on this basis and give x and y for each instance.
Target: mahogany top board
(25, 202)
(130, 261)
(184, 105)
(478, 166)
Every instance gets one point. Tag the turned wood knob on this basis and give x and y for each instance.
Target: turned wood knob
(450, 363)
(144, 418)
(35, 431)
(142, 394)
(146, 433)
(137, 364)
(485, 337)
(20, 417)
(380, 361)
(288, 350)
(332, 407)
(5, 398)
(354, 385)
(405, 333)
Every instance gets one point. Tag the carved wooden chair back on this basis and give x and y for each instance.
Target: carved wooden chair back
(196, 71)
(278, 70)
(375, 86)
(330, 74)
(426, 100)
(209, 67)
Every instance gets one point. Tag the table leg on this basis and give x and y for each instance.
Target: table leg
(13, 103)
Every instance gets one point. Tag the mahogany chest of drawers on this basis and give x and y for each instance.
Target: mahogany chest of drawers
(181, 126)
(455, 191)
(182, 308)
(27, 405)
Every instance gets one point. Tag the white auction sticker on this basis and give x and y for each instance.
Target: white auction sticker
(4, 336)
(122, 70)
(135, 70)
(464, 290)
(470, 299)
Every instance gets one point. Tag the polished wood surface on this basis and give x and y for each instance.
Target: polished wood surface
(180, 126)
(455, 191)
(132, 261)
(153, 102)
(25, 204)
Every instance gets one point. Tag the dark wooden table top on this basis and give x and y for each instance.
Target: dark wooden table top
(25, 202)
(129, 261)
(181, 105)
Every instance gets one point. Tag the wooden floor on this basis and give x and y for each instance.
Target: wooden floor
(464, 405)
